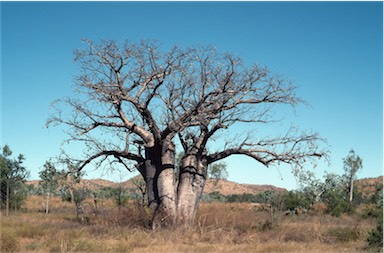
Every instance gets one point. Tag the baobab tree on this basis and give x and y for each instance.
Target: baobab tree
(139, 105)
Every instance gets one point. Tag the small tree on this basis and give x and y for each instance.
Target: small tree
(71, 182)
(310, 190)
(335, 196)
(141, 187)
(352, 164)
(49, 181)
(216, 172)
(120, 196)
(80, 194)
(12, 179)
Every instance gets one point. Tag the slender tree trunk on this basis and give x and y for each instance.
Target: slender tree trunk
(7, 201)
(47, 203)
(79, 211)
(72, 196)
(351, 191)
(192, 178)
(95, 202)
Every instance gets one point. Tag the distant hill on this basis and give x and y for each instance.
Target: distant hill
(225, 187)
(368, 186)
(35, 183)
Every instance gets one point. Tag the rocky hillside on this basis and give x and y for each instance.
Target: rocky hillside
(225, 187)
(368, 186)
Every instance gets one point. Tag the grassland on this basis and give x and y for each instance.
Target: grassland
(219, 227)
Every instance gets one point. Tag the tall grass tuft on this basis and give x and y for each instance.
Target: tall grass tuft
(345, 234)
(9, 241)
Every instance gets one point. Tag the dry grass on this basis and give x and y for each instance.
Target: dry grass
(219, 228)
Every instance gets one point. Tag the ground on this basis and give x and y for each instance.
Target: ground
(222, 227)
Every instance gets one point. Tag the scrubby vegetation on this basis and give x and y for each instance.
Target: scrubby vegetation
(227, 227)
(86, 216)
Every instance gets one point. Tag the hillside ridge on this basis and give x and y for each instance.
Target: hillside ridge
(226, 187)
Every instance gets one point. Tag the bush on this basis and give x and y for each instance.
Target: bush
(106, 192)
(240, 198)
(344, 234)
(214, 197)
(296, 199)
(367, 211)
(120, 196)
(263, 197)
(375, 236)
(337, 203)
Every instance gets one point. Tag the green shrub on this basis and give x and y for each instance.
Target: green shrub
(367, 212)
(296, 199)
(120, 196)
(214, 197)
(375, 236)
(337, 203)
(344, 234)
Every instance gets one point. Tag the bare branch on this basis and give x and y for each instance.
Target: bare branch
(116, 154)
(145, 96)
(288, 149)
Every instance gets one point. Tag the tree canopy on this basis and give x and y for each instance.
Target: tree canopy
(13, 175)
(140, 104)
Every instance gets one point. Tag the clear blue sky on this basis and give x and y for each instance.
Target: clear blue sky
(332, 50)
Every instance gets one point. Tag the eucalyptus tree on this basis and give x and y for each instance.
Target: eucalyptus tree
(352, 164)
(50, 177)
(140, 104)
(13, 175)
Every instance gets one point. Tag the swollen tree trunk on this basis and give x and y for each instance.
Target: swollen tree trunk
(158, 173)
(192, 178)
(165, 212)
(170, 208)
(148, 171)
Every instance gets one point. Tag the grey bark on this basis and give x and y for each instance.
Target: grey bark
(192, 178)
(158, 170)
(166, 211)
